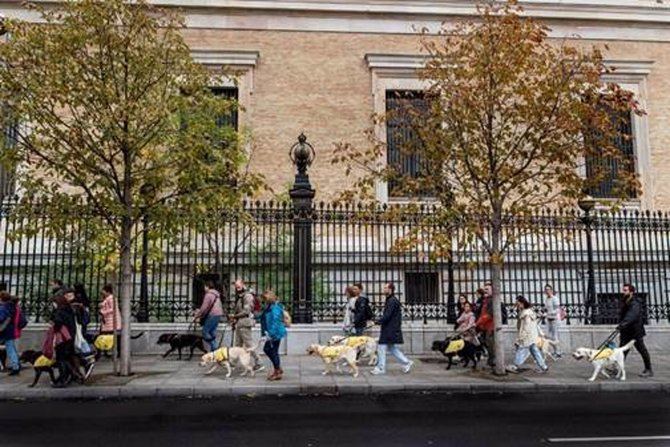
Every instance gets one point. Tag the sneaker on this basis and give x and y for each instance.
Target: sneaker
(646, 373)
(14, 372)
(377, 372)
(512, 368)
(258, 368)
(88, 369)
(542, 370)
(407, 368)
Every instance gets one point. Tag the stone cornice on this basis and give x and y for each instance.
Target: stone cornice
(225, 57)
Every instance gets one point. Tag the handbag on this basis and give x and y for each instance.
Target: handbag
(80, 343)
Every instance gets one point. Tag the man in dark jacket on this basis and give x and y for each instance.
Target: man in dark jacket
(391, 333)
(362, 311)
(631, 326)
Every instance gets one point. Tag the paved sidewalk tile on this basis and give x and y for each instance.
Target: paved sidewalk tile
(154, 376)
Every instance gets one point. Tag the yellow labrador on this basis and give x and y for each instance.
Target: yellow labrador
(607, 358)
(230, 356)
(335, 355)
(366, 346)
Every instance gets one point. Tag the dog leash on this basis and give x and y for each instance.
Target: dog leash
(604, 344)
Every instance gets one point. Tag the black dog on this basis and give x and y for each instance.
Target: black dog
(469, 352)
(182, 341)
(31, 357)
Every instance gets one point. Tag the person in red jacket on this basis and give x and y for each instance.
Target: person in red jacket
(485, 323)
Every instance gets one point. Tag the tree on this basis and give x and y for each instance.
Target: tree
(508, 121)
(117, 122)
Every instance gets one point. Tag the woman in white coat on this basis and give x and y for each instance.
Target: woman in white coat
(529, 332)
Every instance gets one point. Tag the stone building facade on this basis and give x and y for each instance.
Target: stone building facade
(323, 67)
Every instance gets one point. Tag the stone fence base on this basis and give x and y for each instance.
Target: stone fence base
(418, 337)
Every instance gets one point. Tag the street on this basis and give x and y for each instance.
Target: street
(627, 419)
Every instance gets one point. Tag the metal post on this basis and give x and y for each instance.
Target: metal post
(302, 154)
(587, 205)
(143, 312)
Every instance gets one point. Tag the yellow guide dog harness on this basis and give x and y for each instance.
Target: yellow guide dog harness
(221, 354)
(333, 352)
(454, 346)
(43, 361)
(604, 354)
(355, 342)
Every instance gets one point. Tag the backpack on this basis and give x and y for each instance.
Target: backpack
(20, 322)
(369, 314)
(258, 307)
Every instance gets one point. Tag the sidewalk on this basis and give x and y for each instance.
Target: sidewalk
(157, 377)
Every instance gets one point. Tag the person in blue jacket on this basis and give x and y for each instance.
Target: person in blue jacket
(273, 326)
(10, 330)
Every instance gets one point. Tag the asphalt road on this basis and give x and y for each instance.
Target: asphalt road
(404, 420)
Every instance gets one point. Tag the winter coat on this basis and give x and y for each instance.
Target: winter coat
(391, 322)
(466, 327)
(8, 313)
(361, 312)
(631, 321)
(107, 308)
(244, 309)
(272, 321)
(211, 305)
(527, 327)
(64, 316)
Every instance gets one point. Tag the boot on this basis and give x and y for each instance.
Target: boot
(273, 375)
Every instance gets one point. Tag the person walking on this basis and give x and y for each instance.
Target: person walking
(110, 315)
(460, 305)
(362, 310)
(11, 323)
(348, 322)
(209, 315)
(243, 320)
(485, 323)
(82, 306)
(631, 326)
(273, 326)
(64, 323)
(528, 333)
(466, 325)
(81, 345)
(391, 333)
(552, 307)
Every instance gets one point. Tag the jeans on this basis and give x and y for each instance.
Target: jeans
(271, 349)
(393, 349)
(209, 331)
(522, 353)
(12, 354)
(639, 345)
(552, 333)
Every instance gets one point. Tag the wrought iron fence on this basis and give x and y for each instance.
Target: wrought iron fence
(351, 244)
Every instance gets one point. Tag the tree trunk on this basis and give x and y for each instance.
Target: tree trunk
(126, 294)
(496, 278)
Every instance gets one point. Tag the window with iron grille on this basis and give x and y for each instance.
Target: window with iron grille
(228, 93)
(399, 134)
(611, 168)
(7, 178)
(422, 287)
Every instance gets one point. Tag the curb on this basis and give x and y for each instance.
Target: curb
(296, 389)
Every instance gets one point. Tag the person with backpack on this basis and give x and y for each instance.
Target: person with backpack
(209, 315)
(243, 320)
(274, 320)
(362, 311)
(12, 321)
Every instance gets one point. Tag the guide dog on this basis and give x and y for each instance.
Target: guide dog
(228, 356)
(182, 341)
(30, 356)
(366, 346)
(600, 362)
(468, 353)
(335, 355)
